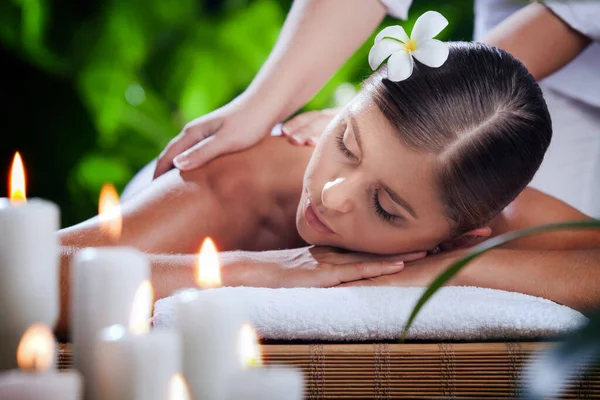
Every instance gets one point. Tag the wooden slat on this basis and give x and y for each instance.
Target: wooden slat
(400, 371)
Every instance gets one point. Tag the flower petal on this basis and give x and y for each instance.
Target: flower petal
(431, 52)
(382, 50)
(428, 26)
(400, 66)
(395, 31)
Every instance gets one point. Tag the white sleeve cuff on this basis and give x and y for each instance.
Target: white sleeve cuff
(581, 15)
(397, 8)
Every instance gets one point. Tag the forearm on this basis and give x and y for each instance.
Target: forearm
(569, 277)
(539, 39)
(316, 39)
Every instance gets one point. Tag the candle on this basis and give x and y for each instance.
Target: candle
(35, 380)
(104, 283)
(257, 383)
(134, 364)
(29, 262)
(209, 324)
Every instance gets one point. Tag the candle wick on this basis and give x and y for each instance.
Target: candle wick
(35, 362)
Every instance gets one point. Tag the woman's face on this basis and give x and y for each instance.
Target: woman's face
(365, 190)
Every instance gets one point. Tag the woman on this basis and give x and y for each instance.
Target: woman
(436, 162)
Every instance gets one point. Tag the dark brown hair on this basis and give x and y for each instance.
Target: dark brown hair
(484, 116)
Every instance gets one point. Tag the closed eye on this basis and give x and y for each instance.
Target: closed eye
(380, 212)
(340, 144)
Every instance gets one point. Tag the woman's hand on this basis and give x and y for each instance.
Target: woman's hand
(306, 128)
(418, 273)
(309, 267)
(233, 127)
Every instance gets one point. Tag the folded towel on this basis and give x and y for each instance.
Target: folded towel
(379, 313)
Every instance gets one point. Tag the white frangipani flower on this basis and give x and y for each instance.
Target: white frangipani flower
(394, 43)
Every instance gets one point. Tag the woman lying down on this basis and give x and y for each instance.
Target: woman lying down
(404, 179)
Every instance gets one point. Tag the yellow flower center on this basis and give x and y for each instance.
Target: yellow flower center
(410, 46)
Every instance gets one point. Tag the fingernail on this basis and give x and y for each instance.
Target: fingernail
(181, 162)
(296, 139)
(399, 263)
(277, 130)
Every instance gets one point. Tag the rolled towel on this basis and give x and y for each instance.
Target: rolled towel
(379, 313)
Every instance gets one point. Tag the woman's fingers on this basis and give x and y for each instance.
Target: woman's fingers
(193, 134)
(293, 125)
(362, 270)
(204, 151)
(413, 256)
(178, 144)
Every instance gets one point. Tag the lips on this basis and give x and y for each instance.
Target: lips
(313, 220)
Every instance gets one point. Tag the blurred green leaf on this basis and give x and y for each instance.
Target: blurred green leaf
(95, 170)
(478, 250)
(103, 87)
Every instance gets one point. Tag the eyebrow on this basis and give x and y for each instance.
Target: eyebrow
(393, 195)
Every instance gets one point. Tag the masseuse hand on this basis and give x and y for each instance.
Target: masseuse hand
(233, 127)
(310, 267)
(306, 128)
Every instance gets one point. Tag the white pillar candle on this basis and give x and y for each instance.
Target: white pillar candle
(257, 383)
(29, 262)
(136, 367)
(35, 380)
(104, 282)
(271, 383)
(209, 323)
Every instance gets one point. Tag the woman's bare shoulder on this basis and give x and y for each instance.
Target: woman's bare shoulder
(533, 208)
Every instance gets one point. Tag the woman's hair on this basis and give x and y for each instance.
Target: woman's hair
(484, 117)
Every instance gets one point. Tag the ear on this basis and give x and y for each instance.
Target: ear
(467, 239)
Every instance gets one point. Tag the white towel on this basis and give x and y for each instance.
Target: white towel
(379, 313)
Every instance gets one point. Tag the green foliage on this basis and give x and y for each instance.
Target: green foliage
(142, 69)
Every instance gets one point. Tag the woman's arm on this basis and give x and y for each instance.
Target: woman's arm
(562, 266)
(316, 39)
(539, 38)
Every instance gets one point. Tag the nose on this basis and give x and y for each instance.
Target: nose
(336, 196)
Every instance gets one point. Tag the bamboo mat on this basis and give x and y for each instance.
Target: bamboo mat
(411, 370)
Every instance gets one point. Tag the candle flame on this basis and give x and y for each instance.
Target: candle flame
(178, 389)
(141, 308)
(17, 181)
(209, 271)
(36, 348)
(110, 212)
(249, 348)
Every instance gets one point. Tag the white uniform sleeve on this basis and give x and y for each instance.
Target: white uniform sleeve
(397, 8)
(581, 15)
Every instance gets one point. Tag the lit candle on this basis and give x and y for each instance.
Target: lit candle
(104, 282)
(35, 380)
(209, 324)
(257, 383)
(135, 364)
(29, 262)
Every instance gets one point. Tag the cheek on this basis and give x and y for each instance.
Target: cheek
(319, 165)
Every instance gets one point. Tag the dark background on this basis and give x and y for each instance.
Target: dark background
(93, 90)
